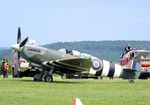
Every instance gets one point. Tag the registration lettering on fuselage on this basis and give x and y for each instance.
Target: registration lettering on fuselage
(34, 50)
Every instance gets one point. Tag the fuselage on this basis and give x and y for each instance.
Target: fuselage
(38, 55)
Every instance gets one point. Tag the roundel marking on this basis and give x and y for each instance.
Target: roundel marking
(97, 64)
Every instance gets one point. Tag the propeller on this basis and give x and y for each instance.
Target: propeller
(18, 47)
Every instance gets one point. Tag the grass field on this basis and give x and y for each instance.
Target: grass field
(62, 92)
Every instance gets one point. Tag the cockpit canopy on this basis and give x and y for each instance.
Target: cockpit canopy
(76, 53)
(71, 52)
(32, 42)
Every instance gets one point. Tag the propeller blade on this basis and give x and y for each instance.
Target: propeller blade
(23, 42)
(19, 35)
(18, 56)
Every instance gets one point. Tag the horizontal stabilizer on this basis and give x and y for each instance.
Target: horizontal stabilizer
(129, 70)
(129, 74)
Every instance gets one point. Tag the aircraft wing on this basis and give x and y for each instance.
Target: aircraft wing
(77, 64)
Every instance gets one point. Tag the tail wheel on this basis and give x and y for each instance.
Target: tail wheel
(48, 78)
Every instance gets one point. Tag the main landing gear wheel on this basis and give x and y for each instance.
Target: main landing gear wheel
(48, 78)
(37, 77)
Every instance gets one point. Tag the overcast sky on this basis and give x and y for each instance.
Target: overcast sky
(49, 21)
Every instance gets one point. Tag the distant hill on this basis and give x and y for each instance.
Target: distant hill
(109, 50)
(4, 48)
(5, 53)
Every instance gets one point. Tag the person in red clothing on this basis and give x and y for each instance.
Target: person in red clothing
(5, 68)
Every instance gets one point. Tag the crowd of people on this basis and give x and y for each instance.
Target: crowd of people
(4, 68)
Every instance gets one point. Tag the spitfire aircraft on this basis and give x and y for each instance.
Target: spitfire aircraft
(69, 62)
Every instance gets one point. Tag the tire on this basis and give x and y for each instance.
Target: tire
(48, 78)
(37, 77)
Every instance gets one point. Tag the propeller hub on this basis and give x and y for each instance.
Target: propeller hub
(17, 47)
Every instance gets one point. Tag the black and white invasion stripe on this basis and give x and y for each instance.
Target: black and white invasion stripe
(108, 69)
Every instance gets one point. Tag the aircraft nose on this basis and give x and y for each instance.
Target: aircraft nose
(16, 47)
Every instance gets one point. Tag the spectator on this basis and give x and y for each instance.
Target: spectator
(128, 48)
(5, 68)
